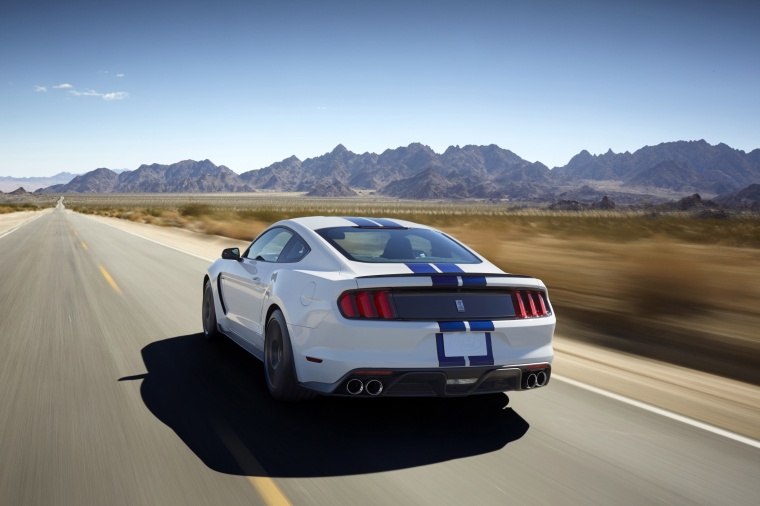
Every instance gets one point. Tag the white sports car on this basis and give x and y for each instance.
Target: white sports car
(378, 307)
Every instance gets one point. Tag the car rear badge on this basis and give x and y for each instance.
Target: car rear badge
(460, 306)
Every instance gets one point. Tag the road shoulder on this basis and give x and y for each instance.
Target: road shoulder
(10, 221)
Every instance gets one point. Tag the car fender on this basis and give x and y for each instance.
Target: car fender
(306, 297)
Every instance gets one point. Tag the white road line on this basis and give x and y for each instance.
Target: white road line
(662, 412)
(627, 400)
(9, 232)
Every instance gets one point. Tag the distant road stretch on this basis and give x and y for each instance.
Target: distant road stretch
(109, 395)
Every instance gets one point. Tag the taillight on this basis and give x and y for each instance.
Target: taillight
(529, 304)
(348, 306)
(364, 303)
(383, 305)
(367, 304)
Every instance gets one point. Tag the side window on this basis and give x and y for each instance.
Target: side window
(269, 246)
(294, 251)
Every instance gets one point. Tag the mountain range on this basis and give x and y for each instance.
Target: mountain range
(188, 176)
(672, 169)
(9, 184)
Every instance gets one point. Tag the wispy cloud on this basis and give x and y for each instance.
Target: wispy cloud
(85, 93)
(114, 95)
(110, 96)
(107, 72)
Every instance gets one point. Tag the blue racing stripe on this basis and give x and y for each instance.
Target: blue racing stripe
(486, 359)
(422, 268)
(362, 222)
(481, 326)
(445, 281)
(443, 360)
(474, 281)
(452, 326)
(449, 268)
(387, 223)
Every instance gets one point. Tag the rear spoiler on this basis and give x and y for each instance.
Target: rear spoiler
(465, 280)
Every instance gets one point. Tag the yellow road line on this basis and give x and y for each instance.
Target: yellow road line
(84, 246)
(109, 279)
(269, 491)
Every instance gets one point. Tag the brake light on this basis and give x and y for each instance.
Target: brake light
(377, 304)
(383, 305)
(541, 303)
(529, 304)
(365, 305)
(348, 306)
(519, 306)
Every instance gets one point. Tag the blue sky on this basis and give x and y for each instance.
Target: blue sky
(88, 84)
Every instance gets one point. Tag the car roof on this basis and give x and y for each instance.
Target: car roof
(320, 222)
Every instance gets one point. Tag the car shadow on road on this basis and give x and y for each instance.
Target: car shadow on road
(213, 396)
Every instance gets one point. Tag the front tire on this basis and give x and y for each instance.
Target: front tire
(278, 362)
(208, 314)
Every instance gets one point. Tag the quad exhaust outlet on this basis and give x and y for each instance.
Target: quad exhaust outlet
(372, 387)
(536, 379)
(354, 387)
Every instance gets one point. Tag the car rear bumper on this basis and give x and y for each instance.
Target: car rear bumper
(326, 355)
(442, 382)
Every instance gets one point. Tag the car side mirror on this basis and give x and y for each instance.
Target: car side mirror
(231, 254)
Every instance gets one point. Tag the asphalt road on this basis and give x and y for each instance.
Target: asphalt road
(109, 395)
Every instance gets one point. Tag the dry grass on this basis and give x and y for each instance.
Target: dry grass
(695, 305)
(28, 202)
(673, 286)
(13, 207)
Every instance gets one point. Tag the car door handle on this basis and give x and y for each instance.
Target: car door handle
(256, 278)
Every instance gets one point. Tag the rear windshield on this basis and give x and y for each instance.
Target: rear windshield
(386, 245)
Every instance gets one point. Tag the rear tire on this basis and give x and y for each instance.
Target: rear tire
(208, 314)
(278, 362)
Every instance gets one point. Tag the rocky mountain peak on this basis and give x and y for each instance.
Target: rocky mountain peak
(334, 188)
(470, 171)
(583, 156)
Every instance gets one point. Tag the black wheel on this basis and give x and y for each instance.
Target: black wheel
(210, 329)
(278, 362)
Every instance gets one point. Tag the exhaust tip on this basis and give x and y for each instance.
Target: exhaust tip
(374, 387)
(541, 378)
(354, 387)
(531, 381)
